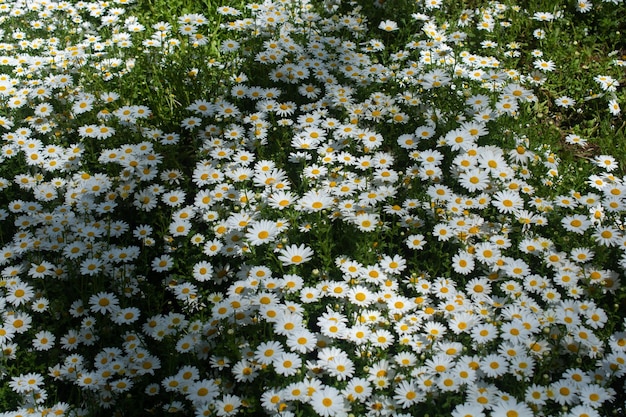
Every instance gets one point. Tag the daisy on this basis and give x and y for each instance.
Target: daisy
(359, 334)
(597, 214)
(607, 235)
(405, 359)
(173, 198)
(607, 162)
(388, 26)
(310, 295)
(286, 322)
(104, 132)
(309, 91)
(357, 389)
(103, 302)
(443, 232)
(426, 382)
(373, 274)
(360, 295)
(492, 160)
(595, 318)
(433, 157)
(162, 263)
(607, 82)
(121, 385)
(474, 179)
(507, 201)
(315, 171)
(393, 264)
(465, 368)
(484, 333)
(536, 394)
(19, 293)
(145, 200)
(576, 223)
(287, 363)
(70, 340)
(6, 333)
(91, 266)
(463, 263)
(565, 101)
(295, 255)
(462, 322)
(507, 106)
(566, 278)
(564, 392)
(582, 410)
(448, 381)
(514, 331)
(339, 367)
(26, 383)
(274, 401)
(434, 330)
(407, 141)
(468, 410)
(381, 338)
(493, 365)
(366, 222)
(202, 271)
(439, 363)
(314, 201)
(228, 405)
(126, 315)
(614, 107)
(179, 227)
(511, 407)
(516, 268)
(290, 283)
(544, 65)
(301, 340)
(407, 393)
(267, 352)
(593, 395)
(260, 232)
(88, 131)
(328, 402)
(332, 326)
(615, 203)
(202, 391)
(185, 376)
(574, 139)
(40, 305)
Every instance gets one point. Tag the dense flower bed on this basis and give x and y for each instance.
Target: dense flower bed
(270, 211)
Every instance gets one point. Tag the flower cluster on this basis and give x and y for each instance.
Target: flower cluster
(354, 218)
